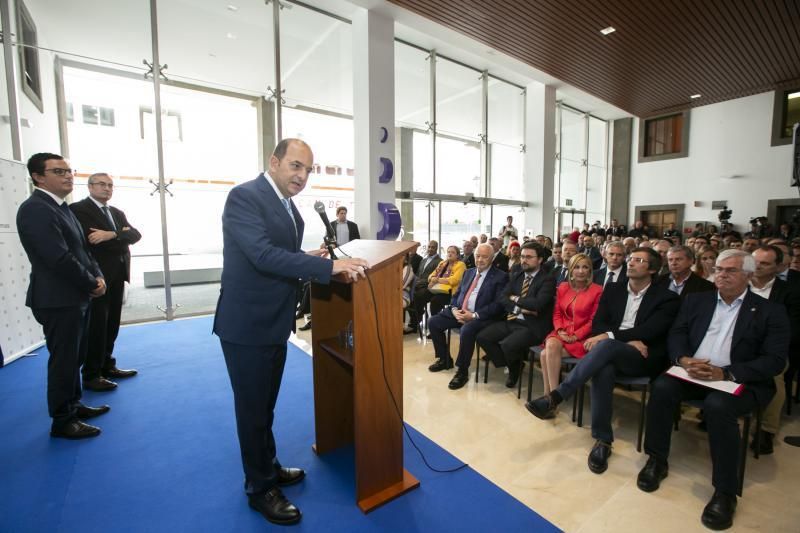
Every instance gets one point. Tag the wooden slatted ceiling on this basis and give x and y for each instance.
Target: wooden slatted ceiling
(663, 51)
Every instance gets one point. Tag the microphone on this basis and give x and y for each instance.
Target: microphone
(330, 236)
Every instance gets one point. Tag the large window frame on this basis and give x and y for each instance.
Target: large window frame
(779, 112)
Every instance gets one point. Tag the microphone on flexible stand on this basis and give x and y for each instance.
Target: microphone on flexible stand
(330, 236)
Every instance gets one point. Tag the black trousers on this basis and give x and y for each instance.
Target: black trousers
(721, 413)
(445, 320)
(104, 327)
(421, 299)
(255, 373)
(507, 342)
(65, 335)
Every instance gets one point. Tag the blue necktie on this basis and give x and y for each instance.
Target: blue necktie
(288, 206)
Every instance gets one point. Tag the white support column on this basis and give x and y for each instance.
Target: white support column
(373, 109)
(540, 157)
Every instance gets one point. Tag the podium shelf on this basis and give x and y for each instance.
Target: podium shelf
(332, 347)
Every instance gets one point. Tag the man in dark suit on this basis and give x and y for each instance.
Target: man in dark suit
(727, 335)
(109, 234)
(474, 305)
(681, 280)
(568, 249)
(628, 339)
(64, 278)
(344, 229)
(499, 259)
(616, 269)
(262, 261)
(468, 254)
(590, 248)
(423, 272)
(528, 303)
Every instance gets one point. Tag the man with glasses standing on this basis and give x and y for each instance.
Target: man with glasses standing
(109, 234)
(730, 334)
(64, 278)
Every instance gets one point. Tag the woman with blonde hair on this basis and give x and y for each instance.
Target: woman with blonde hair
(576, 303)
(705, 260)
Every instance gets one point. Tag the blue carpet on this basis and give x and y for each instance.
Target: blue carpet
(168, 458)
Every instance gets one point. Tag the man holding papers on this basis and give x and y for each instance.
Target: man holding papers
(727, 335)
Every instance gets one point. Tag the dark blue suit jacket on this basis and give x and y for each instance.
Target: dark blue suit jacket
(488, 304)
(63, 272)
(760, 341)
(262, 267)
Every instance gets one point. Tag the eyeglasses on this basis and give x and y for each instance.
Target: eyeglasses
(61, 171)
(103, 184)
(529, 256)
(637, 260)
(720, 270)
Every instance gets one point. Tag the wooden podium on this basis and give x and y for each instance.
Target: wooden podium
(352, 404)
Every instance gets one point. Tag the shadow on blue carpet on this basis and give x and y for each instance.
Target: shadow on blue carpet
(168, 458)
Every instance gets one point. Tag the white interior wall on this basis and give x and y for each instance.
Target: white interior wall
(730, 158)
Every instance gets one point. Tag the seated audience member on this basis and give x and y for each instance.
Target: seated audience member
(483, 239)
(528, 303)
(671, 231)
(629, 338)
(474, 241)
(589, 248)
(575, 306)
(637, 230)
(444, 281)
(554, 262)
(645, 243)
(705, 262)
(699, 229)
(499, 259)
(475, 304)
(785, 232)
(662, 247)
(699, 242)
(715, 242)
(421, 298)
(629, 243)
(615, 269)
(681, 280)
(615, 229)
(568, 250)
(513, 256)
(408, 281)
(750, 244)
(701, 341)
(766, 284)
(468, 255)
(783, 267)
(548, 243)
(690, 243)
(734, 243)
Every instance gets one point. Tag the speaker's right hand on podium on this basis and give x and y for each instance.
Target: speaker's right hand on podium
(353, 267)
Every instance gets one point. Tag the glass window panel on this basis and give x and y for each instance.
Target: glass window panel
(500, 214)
(5, 125)
(507, 172)
(573, 135)
(412, 87)
(331, 140)
(459, 222)
(792, 105)
(458, 100)
(595, 190)
(597, 142)
(506, 113)
(423, 162)
(426, 222)
(316, 60)
(571, 185)
(458, 166)
(232, 45)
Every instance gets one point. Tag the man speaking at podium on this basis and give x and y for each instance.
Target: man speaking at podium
(262, 268)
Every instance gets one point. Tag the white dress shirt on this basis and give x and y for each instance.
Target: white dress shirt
(716, 345)
(631, 309)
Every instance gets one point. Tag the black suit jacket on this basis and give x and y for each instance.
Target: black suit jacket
(600, 275)
(540, 298)
(658, 309)
(788, 296)
(469, 260)
(501, 262)
(63, 271)
(109, 254)
(759, 345)
(352, 230)
(694, 283)
(416, 259)
(422, 276)
(594, 255)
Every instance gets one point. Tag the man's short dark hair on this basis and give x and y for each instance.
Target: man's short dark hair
(653, 259)
(37, 162)
(280, 151)
(774, 249)
(340, 209)
(541, 251)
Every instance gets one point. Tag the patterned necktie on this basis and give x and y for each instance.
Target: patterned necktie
(522, 294)
(108, 216)
(609, 279)
(469, 291)
(288, 206)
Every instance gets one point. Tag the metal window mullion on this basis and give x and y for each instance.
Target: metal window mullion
(485, 170)
(586, 164)
(276, 29)
(558, 159)
(11, 81)
(432, 68)
(162, 194)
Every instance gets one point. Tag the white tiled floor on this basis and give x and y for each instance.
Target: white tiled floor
(543, 464)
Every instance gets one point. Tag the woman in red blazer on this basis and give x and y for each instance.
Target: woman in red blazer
(576, 303)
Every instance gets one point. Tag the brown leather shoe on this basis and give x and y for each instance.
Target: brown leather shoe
(99, 385)
(75, 430)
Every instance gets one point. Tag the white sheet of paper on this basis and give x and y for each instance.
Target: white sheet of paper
(725, 386)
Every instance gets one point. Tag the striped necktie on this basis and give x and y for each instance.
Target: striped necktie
(522, 294)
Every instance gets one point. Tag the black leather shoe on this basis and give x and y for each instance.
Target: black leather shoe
(118, 373)
(513, 374)
(75, 430)
(598, 457)
(792, 440)
(441, 364)
(305, 327)
(459, 380)
(290, 476)
(99, 385)
(651, 475)
(543, 407)
(718, 514)
(765, 445)
(85, 412)
(275, 507)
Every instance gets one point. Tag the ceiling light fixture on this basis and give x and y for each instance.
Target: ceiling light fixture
(606, 31)
(794, 95)
(695, 96)
(232, 7)
(231, 36)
